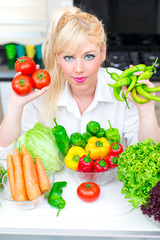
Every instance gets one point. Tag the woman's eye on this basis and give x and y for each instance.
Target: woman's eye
(68, 58)
(89, 56)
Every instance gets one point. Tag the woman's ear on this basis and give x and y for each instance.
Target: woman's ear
(104, 53)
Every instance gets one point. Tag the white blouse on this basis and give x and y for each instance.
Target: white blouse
(104, 107)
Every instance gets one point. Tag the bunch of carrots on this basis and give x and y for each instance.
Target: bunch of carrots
(28, 180)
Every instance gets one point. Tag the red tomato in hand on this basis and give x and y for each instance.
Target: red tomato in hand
(25, 65)
(22, 84)
(88, 191)
(41, 78)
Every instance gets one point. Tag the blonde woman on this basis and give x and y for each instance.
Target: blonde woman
(73, 53)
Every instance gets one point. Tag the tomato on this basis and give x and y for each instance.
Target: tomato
(22, 84)
(88, 191)
(41, 78)
(25, 65)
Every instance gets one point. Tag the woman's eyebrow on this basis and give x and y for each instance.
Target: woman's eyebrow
(90, 51)
(69, 54)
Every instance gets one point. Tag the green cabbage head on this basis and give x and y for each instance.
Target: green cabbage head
(41, 143)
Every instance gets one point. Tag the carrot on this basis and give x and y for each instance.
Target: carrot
(33, 190)
(21, 194)
(25, 151)
(11, 176)
(43, 177)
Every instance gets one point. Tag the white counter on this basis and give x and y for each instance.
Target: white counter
(81, 219)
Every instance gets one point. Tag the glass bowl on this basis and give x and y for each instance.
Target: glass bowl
(100, 178)
(8, 203)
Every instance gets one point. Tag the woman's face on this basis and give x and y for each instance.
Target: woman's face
(82, 68)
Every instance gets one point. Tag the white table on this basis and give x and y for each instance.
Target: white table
(101, 218)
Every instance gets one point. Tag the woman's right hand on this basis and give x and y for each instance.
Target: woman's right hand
(21, 100)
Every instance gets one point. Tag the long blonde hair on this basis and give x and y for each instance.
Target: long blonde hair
(70, 28)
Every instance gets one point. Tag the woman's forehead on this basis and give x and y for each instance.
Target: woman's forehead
(86, 47)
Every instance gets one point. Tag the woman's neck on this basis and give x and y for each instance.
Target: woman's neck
(83, 97)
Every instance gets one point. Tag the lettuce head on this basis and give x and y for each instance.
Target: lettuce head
(41, 143)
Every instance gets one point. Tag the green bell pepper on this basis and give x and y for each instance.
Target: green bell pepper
(93, 127)
(55, 199)
(78, 140)
(61, 137)
(112, 134)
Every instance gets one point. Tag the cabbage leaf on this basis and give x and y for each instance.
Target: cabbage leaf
(41, 143)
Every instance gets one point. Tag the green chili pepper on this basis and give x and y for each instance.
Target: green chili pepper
(100, 133)
(87, 135)
(136, 98)
(114, 75)
(145, 94)
(112, 134)
(145, 75)
(78, 140)
(61, 137)
(131, 86)
(93, 127)
(125, 99)
(121, 82)
(154, 89)
(116, 92)
(55, 199)
(138, 68)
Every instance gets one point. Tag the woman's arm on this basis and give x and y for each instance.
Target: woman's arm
(148, 124)
(10, 128)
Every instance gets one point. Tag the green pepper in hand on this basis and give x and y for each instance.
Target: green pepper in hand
(112, 134)
(62, 139)
(93, 127)
(55, 199)
(78, 140)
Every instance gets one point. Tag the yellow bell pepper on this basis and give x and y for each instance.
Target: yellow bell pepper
(72, 158)
(98, 147)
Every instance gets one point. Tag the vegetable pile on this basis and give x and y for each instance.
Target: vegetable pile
(128, 78)
(30, 77)
(139, 170)
(96, 150)
(41, 143)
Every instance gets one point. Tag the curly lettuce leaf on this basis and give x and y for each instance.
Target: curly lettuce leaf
(139, 170)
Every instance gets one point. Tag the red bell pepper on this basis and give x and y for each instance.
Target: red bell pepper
(116, 148)
(100, 165)
(85, 164)
(112, 160)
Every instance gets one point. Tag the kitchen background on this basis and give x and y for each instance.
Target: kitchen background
(133, 29)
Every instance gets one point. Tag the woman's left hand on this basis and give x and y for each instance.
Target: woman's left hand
(149, 84)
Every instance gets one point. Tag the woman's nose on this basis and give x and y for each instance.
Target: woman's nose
(79, 66)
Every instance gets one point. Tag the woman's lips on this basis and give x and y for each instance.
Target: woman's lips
(80, 79)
